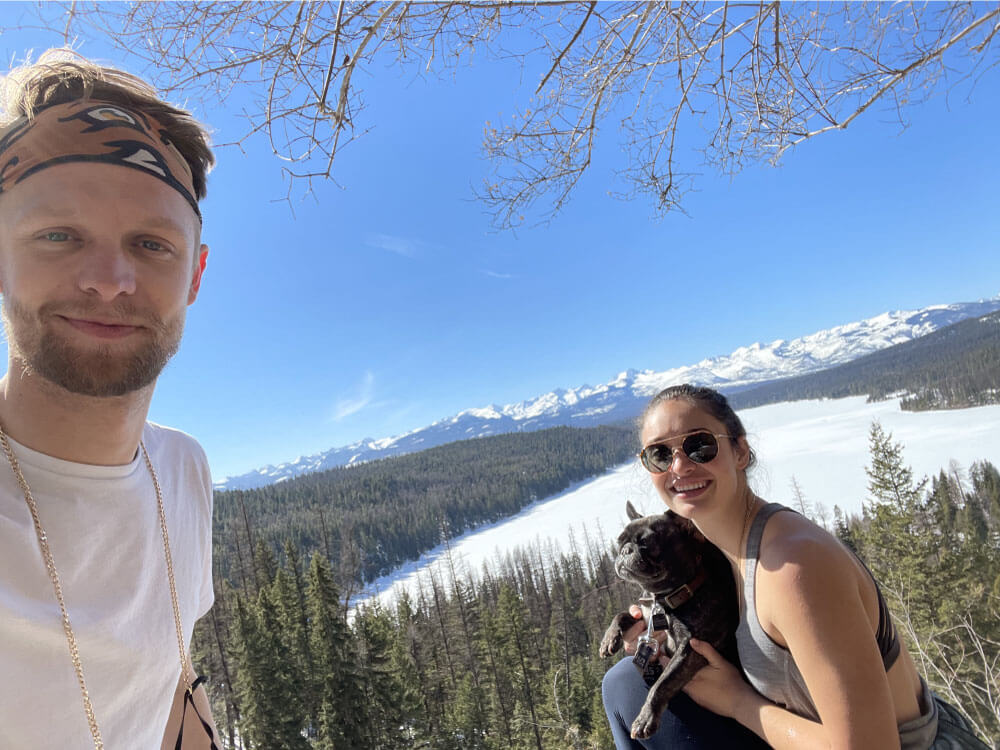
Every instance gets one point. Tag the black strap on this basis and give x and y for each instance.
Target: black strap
(885, 634)
(189, 698)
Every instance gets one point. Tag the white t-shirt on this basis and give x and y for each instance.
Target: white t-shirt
(104, 534)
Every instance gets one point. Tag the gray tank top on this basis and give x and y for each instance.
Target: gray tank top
(768, 666)
(773, 673)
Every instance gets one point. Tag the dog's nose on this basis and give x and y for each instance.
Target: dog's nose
(629, 548)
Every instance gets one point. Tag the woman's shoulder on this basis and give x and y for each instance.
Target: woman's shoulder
(793, 547)
(804, 581)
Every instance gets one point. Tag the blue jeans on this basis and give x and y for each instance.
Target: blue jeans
(683, 726)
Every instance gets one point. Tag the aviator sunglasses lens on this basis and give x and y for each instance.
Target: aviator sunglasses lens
(701, 447)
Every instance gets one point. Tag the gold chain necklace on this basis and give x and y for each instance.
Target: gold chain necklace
(50, 566)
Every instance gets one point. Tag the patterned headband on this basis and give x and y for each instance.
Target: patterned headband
(96, 132)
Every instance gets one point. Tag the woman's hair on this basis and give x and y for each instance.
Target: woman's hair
(61, 75)
(708, 400)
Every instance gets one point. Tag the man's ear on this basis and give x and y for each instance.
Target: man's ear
(199, 269)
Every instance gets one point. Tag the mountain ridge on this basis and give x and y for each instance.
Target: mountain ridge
(623, 396)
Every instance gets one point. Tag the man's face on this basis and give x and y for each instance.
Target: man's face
(98, 264)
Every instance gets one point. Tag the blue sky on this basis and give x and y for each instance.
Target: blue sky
(378, 306)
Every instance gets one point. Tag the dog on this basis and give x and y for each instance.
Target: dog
(692, 581)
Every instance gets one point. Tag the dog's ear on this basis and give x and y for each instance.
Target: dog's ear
(631, 512)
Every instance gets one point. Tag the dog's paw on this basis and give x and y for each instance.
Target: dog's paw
(645, 724)
(611, 643)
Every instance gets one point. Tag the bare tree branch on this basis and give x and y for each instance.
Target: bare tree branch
(683, 86)
(896, 78)
(555, 64)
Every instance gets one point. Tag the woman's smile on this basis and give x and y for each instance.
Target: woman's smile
(688, 489)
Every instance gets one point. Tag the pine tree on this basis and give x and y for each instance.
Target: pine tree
(890, 481)
(942, 503)
(896, 541)
(567, 696)
(212, 636)
(843, 529)
(298, 618)
(467, 718)
(974, 522)
(387, 692)
(986, 484)
(429, 651)
(600, 733)
(512, 625)
(342, 714)
(413, 702)
(273, 715)
(937, 582)
(294, 636)
(264, 563)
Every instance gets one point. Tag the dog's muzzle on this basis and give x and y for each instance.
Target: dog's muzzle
(629, 561)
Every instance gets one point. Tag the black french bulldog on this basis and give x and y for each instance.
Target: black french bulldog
(668, 557)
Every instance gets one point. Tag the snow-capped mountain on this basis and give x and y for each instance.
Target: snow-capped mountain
(624, 396)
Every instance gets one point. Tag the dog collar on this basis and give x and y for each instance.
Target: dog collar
(682, 594)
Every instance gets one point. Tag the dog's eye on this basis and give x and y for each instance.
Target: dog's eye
(649, 544)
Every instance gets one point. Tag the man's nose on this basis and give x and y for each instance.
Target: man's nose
(107, 270)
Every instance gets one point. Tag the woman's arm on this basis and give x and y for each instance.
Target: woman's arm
(808, 598)
(810, 593)
(720, 688)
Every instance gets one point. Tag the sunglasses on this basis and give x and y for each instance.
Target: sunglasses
(700, 446)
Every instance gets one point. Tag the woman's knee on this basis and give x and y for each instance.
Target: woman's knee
(684, 725)
(620, 684)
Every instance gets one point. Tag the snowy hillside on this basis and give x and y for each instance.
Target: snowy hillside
(624, 396)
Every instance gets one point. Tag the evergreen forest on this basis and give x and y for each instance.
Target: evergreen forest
(506, 657)
(370, 518)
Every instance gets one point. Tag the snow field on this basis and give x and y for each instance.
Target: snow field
(823, 444)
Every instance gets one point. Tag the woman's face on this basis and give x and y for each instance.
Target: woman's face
(689, 488)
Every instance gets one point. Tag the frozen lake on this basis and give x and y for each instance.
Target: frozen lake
(822, 444)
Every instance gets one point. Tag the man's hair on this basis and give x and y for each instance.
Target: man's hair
(61, 75)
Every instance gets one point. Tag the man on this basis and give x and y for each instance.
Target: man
(105, 519)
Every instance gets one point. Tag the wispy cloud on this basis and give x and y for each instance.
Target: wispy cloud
(345, 407)
(497, 274)
(404, 246)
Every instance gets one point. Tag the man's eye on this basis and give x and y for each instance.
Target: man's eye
(55, 236)
(152, 245)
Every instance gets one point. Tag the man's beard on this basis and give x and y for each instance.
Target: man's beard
(102, 371)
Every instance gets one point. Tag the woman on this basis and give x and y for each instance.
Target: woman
(824, 663)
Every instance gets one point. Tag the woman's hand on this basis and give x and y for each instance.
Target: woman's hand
(631, 636)
(718, 686)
